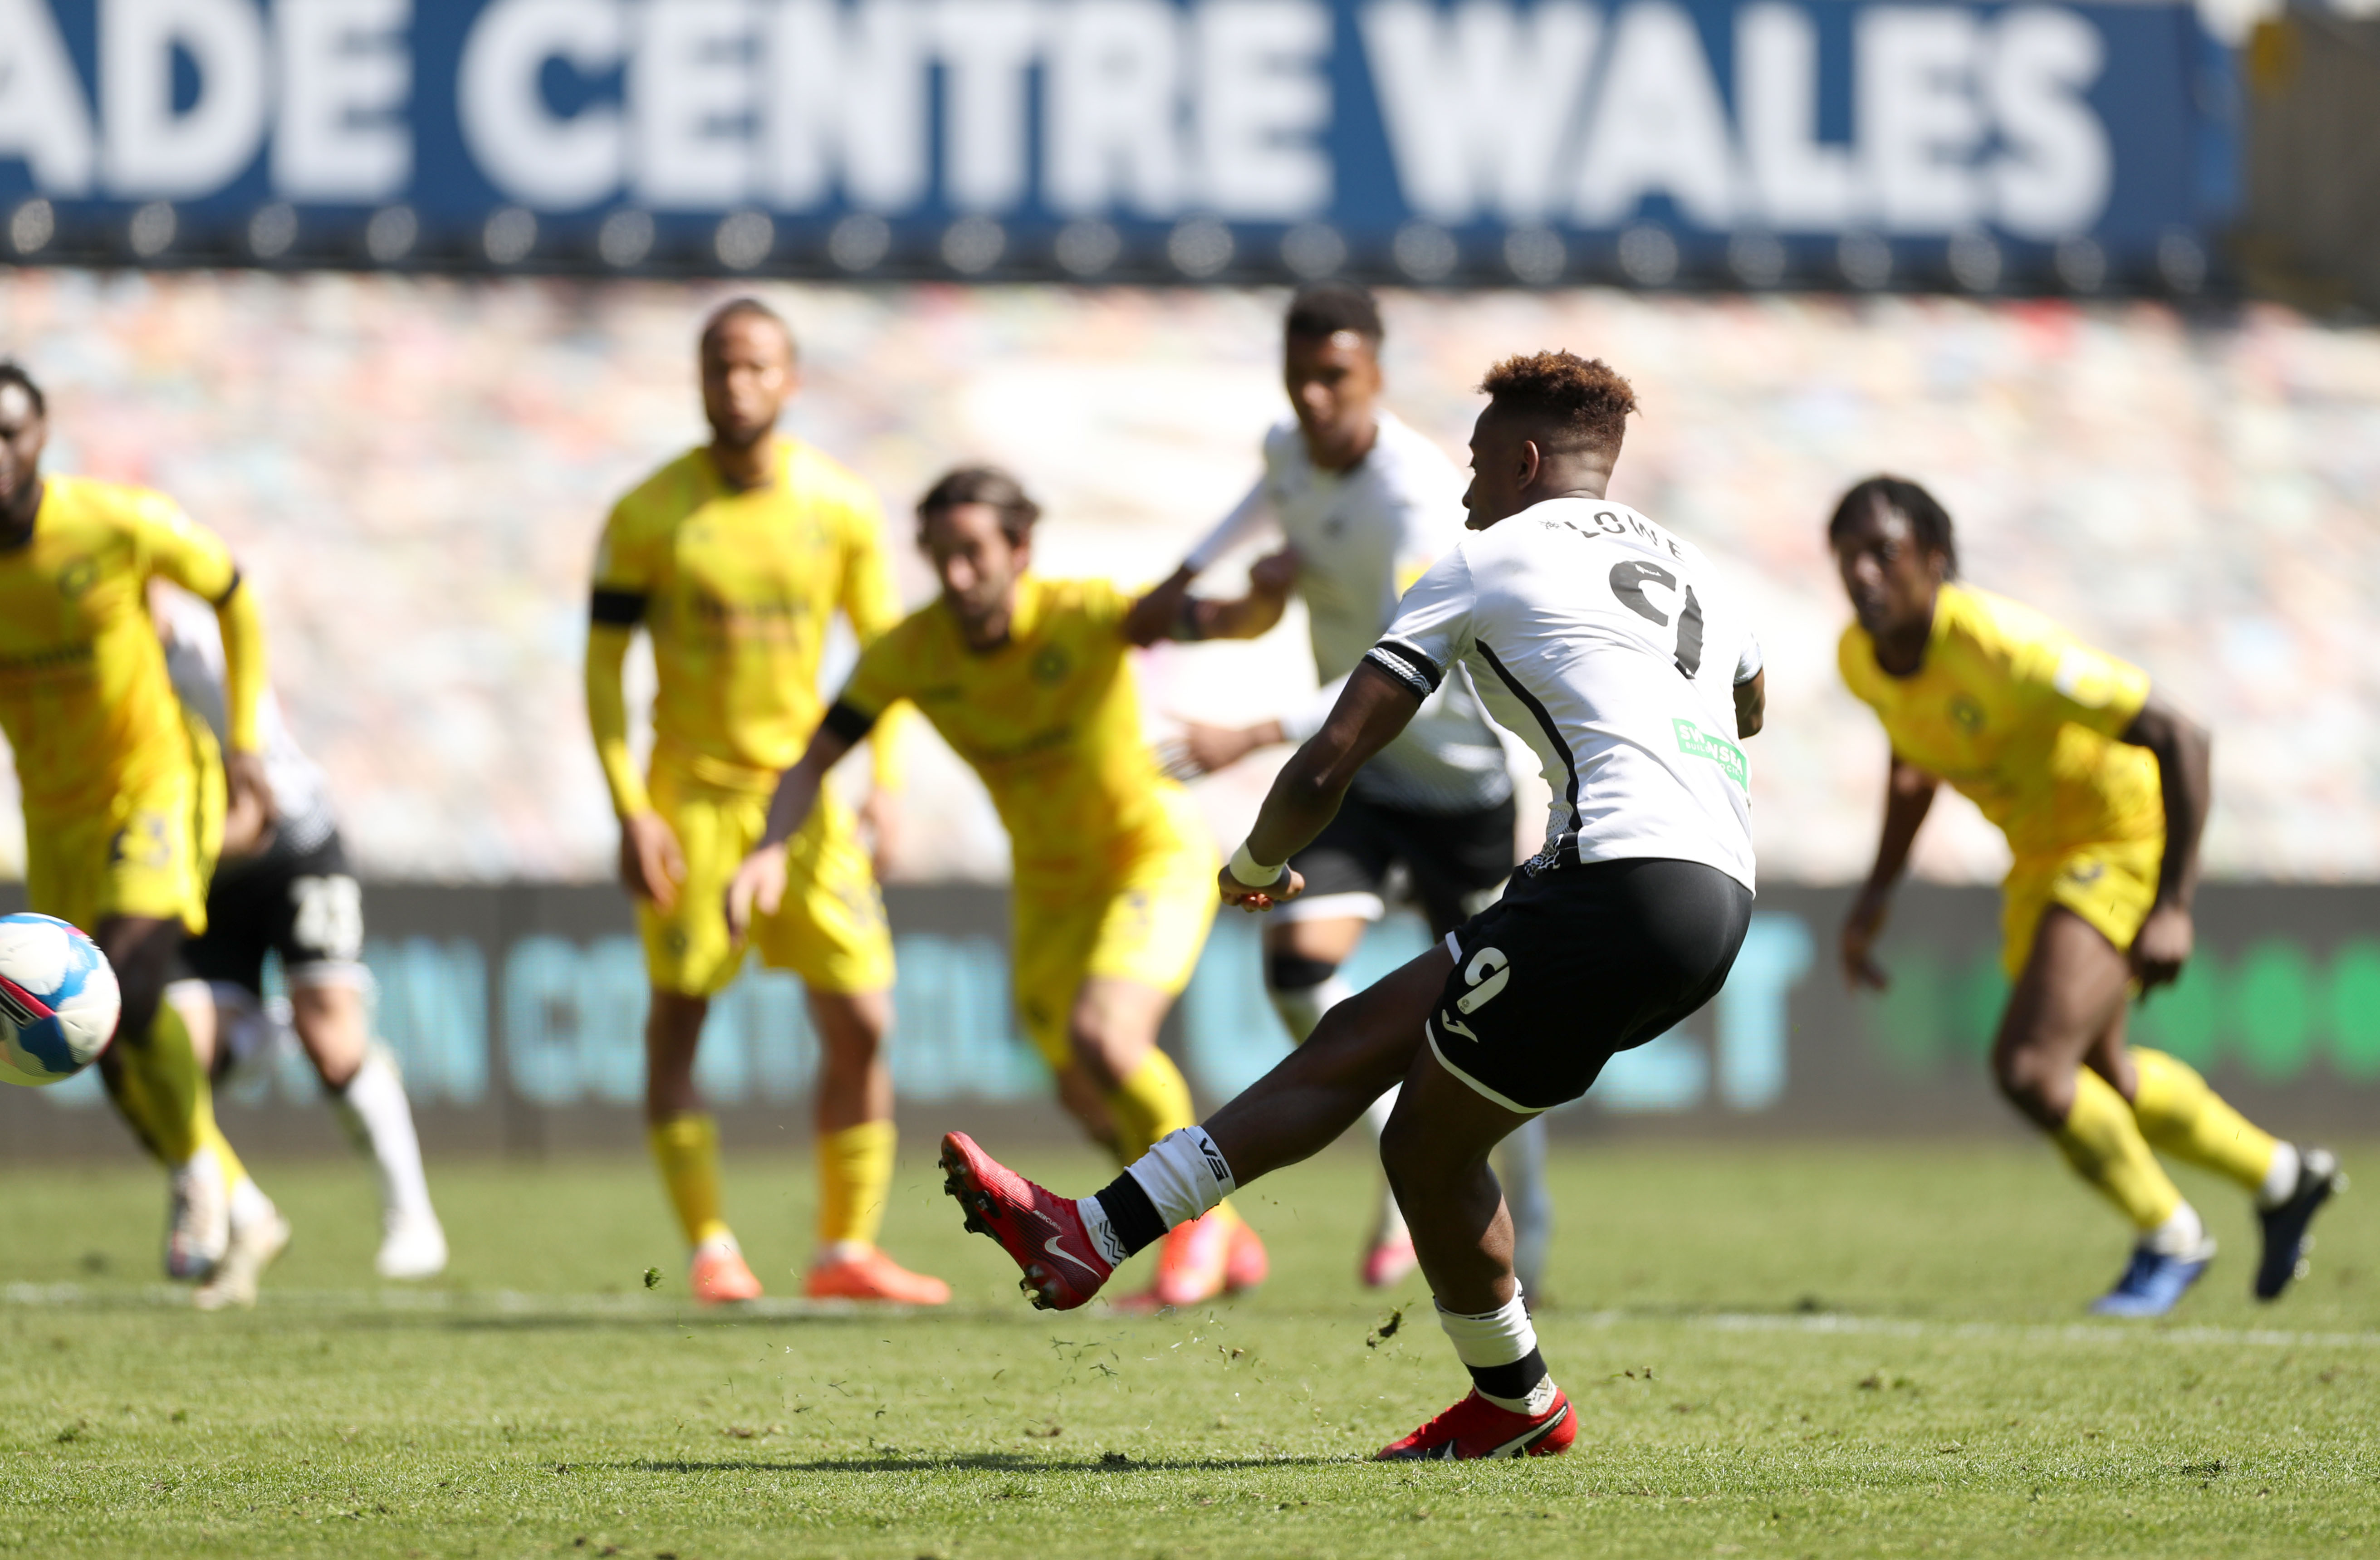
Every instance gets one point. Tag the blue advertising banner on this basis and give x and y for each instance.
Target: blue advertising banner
(1975, 144)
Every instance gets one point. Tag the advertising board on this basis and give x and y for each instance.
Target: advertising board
(517, 1015)
(1654, 139)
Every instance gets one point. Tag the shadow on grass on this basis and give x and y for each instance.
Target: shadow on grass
(961, 1462)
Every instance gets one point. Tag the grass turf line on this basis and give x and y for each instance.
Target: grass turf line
(1774, 1352)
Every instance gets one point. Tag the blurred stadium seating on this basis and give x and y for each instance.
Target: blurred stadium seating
(413, 471)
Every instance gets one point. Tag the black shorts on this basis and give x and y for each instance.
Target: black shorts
(1577, 963)
(1453, 857)
(304, 905)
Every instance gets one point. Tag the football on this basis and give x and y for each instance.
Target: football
(58, 1000)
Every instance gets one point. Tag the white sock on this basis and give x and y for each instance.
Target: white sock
(2281, 1180)
(249, 1205)
(1183, 1175)
(2182, 1235)
(1302, 1007)
(1102, 1233)
(1499, 1338)
(376, 1113)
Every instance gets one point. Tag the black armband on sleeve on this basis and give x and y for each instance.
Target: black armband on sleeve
(228, 591)
(848, 721)
(1407, 664)
(616, 608)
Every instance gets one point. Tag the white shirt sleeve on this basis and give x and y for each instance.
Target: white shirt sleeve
(1241, 523)
(1748, 663)
(1432, 630)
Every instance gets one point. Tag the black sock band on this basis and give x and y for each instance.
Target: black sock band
(1512, 1382)
(1131, 1217)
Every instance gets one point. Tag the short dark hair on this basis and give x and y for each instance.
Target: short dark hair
(1581, 397)
(987, 485)
(749, 308)
(13, 372)
(1324, 309)
(1929, 521)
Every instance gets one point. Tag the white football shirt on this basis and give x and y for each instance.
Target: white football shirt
(1365, 535)
(1613, 648)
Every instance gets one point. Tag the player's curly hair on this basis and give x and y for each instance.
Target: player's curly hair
(1929, 521)
(16, 373)
(1581, 397)
(1324, 309)
(983, 484)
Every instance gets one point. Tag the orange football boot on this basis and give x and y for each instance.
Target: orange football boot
(720, 1276)
(872, 1275)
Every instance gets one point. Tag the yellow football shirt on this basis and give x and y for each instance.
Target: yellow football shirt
(84, 698)
(2022, 719)
(738, 591)
(1051, 720)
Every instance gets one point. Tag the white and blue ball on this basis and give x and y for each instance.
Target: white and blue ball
(58, 1000)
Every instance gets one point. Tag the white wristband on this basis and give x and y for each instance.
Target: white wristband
(1253, 874)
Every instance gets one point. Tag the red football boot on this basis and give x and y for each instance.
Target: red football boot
(1476, 1428)
(1039, 1229)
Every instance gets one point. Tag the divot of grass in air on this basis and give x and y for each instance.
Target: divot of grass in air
(1946, 1394)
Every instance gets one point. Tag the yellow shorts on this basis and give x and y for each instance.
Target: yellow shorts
(1149, 927)
(147, 854)
(2111, 885)
(830, 930)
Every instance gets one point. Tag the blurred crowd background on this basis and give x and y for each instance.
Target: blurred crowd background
(413, 470)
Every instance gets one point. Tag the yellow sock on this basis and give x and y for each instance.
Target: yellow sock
(163, 1091)
(854, 1174)
(2103, 1144)
(233, 1172)
(2180, 1114)
(686, 1150)
(1154, 1101)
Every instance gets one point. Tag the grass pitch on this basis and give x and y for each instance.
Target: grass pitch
(1774, 1352)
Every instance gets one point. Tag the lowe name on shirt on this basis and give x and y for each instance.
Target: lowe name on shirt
(1904, 119)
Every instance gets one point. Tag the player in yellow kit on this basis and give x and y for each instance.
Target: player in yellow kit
(1028, 679)
(123, 817)
(735, 558)
(2102, 789)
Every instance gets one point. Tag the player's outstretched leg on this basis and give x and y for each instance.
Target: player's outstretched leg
(2180, 1114)
(1068, 1247)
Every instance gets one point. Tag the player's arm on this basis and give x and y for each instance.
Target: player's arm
(652, 865)
(2185, 777)
(1372, 709)
(1751, 704)
(872, 603)
(197, 560)
(760, 881)
(1170, 611)
(1907, 796)
(1751, 688)
(1386, 688)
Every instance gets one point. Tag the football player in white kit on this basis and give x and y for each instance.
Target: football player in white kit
(290, 893)
(1363, 505)
(1623, 659)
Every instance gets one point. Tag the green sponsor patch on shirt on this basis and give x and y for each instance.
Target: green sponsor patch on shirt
(1696, 742)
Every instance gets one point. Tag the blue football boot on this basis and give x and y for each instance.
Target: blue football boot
(2154, 1282)
(2286, 1241)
